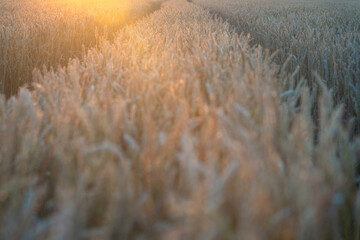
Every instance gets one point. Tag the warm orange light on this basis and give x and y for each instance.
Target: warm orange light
(105, 11)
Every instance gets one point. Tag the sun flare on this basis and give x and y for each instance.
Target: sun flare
(105, 11)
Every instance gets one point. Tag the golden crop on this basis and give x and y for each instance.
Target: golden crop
(177, 127)
(36, 33)
(312, 36)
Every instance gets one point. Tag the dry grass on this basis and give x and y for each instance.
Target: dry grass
(177, 129)
(34, 33)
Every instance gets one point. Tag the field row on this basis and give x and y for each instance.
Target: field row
(176, 129)
(309, 36)
(37, 34)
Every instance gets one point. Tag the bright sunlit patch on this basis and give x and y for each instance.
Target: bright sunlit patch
(105, 11)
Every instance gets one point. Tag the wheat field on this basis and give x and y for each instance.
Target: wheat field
(177, 124)
(307, 36)
(37, 34)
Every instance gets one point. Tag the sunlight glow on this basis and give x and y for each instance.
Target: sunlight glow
(105, 11)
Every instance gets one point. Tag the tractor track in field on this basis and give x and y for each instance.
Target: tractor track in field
(176, 129)
(21, 54)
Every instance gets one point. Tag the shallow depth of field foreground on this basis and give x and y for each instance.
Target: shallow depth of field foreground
(178, 124)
